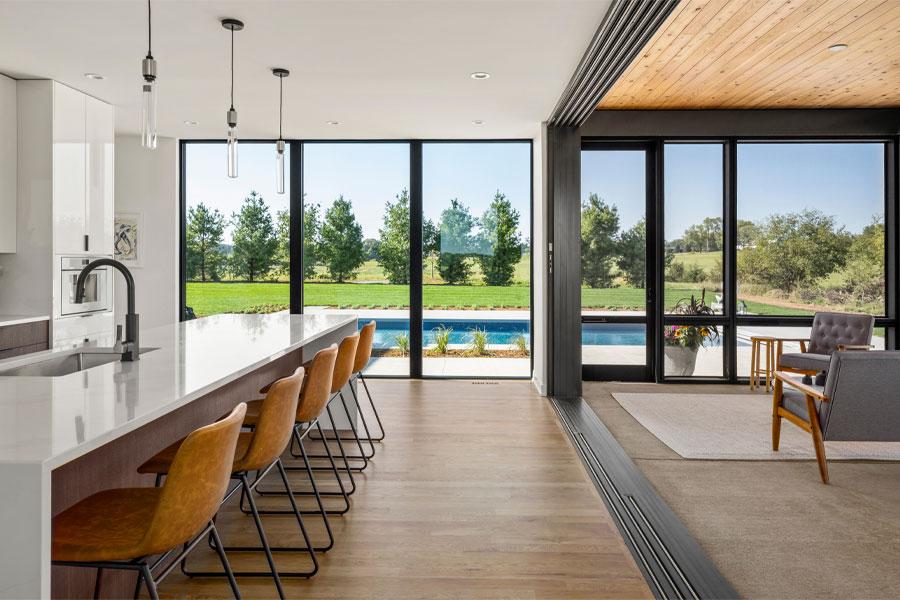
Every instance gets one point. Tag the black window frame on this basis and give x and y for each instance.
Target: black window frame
(730, 320)
(296, 175)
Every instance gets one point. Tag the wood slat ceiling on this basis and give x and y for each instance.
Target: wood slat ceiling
(767, 54)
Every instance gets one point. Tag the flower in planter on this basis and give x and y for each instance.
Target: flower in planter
(691, 336)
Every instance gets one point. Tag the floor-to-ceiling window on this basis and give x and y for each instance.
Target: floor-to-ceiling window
(476, 232)
(810, 235)
(614, 276)
(693, 336)
(356, 250)
(756, 237)
(237, 232)
(354, 210)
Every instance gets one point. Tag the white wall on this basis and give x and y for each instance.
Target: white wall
(539, 271)
(8, 162)
(147, 184)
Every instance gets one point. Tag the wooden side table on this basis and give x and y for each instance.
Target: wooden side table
(756, 344)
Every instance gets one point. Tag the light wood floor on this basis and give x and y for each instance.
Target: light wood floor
(475, 493)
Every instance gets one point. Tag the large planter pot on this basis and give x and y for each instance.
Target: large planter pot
(680, 361)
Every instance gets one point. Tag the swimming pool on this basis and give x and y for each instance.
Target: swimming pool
(501, 332)
(505, 331)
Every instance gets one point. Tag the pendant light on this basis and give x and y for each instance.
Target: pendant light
(279, 145)
(148, 91)
(231, 116)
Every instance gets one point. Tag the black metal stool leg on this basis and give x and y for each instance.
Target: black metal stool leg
(362, 419)
(372, 404)
(148, 581)
(224, 559)
(262, 537)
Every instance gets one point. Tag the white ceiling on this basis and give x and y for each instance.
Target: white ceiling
(395, 69)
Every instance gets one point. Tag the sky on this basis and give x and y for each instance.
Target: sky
(368, 174)
(844, 180)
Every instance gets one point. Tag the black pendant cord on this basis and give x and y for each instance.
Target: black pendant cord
(280, 103)
(149, 32)
(232, 68)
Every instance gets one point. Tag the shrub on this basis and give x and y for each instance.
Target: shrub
(402, 341)
(442, 338)
(479, 342)
(520, 342)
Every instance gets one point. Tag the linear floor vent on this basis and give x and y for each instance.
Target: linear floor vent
(625, 30)
(672, 562)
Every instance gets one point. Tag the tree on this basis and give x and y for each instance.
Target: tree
(747, 233)
(863, 275)
(283, 234)
(599, 226)
(342, 241)
(633, 254)
(705, 236)
(431, 244)
(455, 243)
(370, 248)
(500, 242)
(393, 249)
(795, 249)
(255, 239)
(312, 243)
(204, 235)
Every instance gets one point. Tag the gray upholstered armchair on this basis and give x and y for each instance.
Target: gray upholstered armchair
(859, 402)
(830, 332)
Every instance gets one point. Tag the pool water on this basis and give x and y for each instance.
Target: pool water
(501, 332)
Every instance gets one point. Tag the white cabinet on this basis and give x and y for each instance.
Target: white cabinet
(69, 171)
(8, 152)
(100, 143)
(83, 168)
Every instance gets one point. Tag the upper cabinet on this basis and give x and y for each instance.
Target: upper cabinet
(8, 156)
(83, 166)
(100, 148)
(69, 171)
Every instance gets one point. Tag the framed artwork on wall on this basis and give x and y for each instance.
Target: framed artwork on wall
(126, 238)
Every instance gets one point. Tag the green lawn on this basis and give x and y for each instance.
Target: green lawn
(212, 298)
(705, 260)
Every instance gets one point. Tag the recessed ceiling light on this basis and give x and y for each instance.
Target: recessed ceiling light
(333, 122)
(477, 122)
(480, 75)
(95, 76)
(190, 123)
(837, 47)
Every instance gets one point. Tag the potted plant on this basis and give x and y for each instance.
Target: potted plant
(682, 342)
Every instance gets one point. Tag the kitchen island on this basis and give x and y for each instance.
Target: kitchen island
(63, 438)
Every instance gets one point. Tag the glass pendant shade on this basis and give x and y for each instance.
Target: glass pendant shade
(148, 115)
(279, 167)
(232, 152)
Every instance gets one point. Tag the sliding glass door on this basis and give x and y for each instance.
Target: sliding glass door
(616, 262)
(430, 239)
(356, 241)
(738, 238)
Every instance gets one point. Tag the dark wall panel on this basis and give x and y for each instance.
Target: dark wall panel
(564, 196)
(700, 123)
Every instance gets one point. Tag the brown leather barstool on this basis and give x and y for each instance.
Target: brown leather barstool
(363, 355)
(122, 528)
(343, 370)
(313, 400)
(258, 450)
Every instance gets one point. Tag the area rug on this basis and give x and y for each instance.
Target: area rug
(735, 427)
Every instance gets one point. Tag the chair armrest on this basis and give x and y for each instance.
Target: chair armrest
(797, 384)
(842, 347)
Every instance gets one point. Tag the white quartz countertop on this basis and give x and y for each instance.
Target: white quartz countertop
(52, 420)
(20, 319)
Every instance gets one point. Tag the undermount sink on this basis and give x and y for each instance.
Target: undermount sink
(66, 364)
